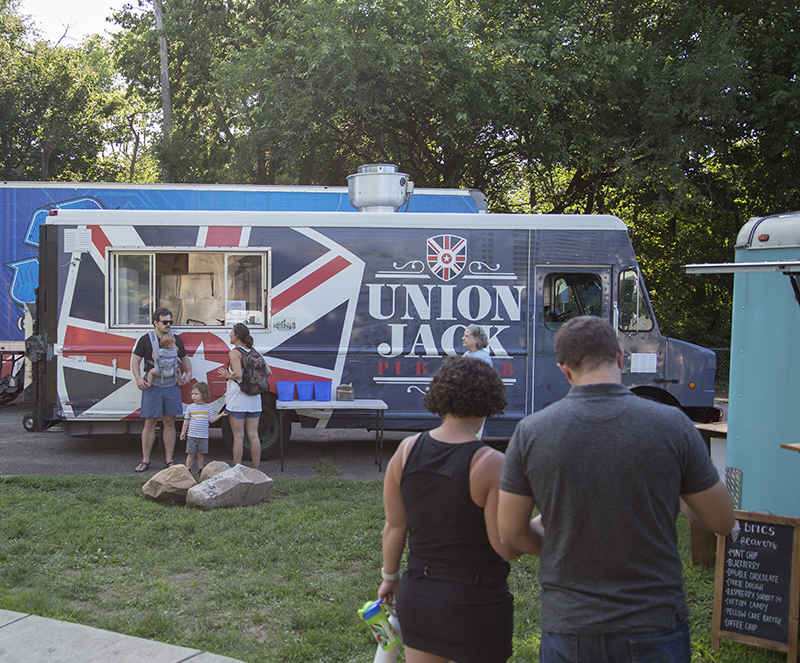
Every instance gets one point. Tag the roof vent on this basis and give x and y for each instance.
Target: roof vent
(379, 187)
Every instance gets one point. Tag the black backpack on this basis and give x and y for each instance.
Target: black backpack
(255, 373)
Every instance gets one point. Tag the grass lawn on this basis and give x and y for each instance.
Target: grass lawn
(277, 582)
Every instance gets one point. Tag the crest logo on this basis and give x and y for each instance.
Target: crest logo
(447, 255)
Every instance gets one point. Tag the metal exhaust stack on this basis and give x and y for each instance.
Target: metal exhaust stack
(379, 187)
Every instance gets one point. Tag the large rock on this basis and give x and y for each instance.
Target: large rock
(169, 485)
(213, 468)
(238, 486)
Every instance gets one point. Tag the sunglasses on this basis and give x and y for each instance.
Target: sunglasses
(165, 322)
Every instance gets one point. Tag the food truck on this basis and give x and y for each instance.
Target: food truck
(24, 206)
(758, 455)
(373, 298)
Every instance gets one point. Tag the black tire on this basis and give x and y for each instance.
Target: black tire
(27, 422)
(268, 429)
(6, 398)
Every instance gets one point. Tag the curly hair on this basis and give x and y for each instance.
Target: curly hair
(466, 387)
(201, 387)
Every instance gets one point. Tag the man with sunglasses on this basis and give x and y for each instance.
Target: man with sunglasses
(162, 399)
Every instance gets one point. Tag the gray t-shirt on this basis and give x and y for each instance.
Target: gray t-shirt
(606, 469)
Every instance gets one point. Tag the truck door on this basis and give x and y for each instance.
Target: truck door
(563, 292)
(649, 367)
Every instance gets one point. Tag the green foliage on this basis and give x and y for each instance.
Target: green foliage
(681, 119)
(52, 120)
(277, 582)
(57, 104)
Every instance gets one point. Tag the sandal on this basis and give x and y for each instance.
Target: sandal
(141, 467)
(169, 463)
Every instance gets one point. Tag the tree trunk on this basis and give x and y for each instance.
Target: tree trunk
(166, 95)
(47, 150)
(135, 146)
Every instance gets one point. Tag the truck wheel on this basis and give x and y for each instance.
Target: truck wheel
(6, 397)
(27, 422)
(268, 429)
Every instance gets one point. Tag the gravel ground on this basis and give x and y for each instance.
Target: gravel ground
(53, 453)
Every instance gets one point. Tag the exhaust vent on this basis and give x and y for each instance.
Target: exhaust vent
(379, 187)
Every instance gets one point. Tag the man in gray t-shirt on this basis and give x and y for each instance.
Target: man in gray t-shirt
(609, 472)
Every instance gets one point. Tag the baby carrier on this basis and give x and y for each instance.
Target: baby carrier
(166, 363)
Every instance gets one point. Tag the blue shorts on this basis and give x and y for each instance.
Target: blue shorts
(161, 401)
(244, 415)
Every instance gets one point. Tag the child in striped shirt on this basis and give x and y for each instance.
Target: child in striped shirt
(196, 420)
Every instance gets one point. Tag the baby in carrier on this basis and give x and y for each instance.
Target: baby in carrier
(166, 363)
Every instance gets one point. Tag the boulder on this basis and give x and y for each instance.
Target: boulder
(169, 485)
(213, 468)
(238, 486)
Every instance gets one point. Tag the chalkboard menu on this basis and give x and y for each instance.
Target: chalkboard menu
(757, 579)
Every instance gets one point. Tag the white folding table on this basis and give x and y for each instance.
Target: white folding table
(375, 404)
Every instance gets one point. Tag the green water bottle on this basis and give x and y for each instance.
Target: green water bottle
(376, 615)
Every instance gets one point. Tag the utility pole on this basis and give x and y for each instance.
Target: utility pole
(166, 94)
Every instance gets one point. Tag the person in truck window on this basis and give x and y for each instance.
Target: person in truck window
(162, 398)
(476, 342)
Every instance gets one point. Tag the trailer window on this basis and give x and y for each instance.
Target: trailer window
(245, 289)
(133, 285)
(202, 288)
(569, 295)
(634, 311)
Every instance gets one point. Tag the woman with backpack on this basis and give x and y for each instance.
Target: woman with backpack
(244, 410)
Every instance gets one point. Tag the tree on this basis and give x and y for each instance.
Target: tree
(53, 115)
(629, 110)
(680, 118)
(198, 33)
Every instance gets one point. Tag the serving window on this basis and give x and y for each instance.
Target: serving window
(201, 288)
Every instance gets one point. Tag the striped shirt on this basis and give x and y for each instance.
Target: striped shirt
(198, 414)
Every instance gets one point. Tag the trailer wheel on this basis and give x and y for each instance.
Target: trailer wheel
(6, 397)
(27, 422)
(269, 432)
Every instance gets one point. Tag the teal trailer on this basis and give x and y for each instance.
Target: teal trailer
(763, 439)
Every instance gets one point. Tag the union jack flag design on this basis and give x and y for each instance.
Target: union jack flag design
(319, 296)
(447, 255)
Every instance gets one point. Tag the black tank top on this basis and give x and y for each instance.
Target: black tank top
(445, 527)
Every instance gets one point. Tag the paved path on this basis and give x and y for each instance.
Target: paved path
(29, 639)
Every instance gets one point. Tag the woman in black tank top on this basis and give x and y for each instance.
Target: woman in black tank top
(440, 493)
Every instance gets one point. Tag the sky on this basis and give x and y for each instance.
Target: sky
(84, 16)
